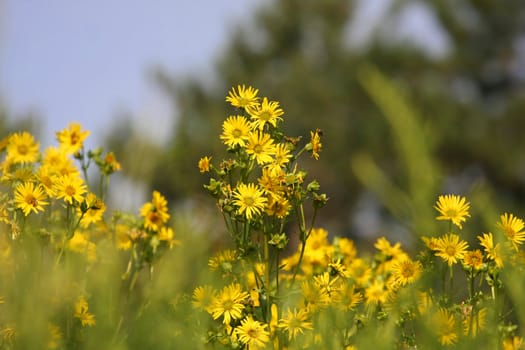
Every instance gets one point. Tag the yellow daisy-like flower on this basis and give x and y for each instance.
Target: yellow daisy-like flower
(71, 188)
(444, 324)
(30, 198)
(22, 148)
(204, 298)
(94, 210)
(260, 147)
(204, 164)
(229, 303)
(514, 343)
(315, 144)
(54, 336)
(80, 243)
(47, 179)
(492, 250)
(155, 213)
(252, 333)
(265, 113)
(295, 322)
(72, 138)
(349, 298)
(82, 312)
(512, 228)
(376, 293)
(452, 207)
(282, 156)
(244, 97)
(451, 249)
(473, 259)
(249, 199)
(235, 131)
(406, 271)
(166, 234)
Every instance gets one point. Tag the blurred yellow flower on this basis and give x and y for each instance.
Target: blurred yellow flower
(94, 210)
(82, 312)
(315, 144)
(204, 164)
(22, 148)
(295, 322)
(444, 325)
(376, 293)
(204, 297)
(72, 138)
(492, 250)
(473, 259)
(512, 227)
(406, 271)
(155, 213)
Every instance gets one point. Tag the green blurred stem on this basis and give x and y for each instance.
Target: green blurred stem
(304, 238)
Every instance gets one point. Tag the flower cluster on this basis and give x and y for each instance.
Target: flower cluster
(48, 201)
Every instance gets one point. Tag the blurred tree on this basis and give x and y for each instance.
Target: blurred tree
(468, 99)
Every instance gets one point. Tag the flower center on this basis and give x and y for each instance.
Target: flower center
(257, 149)
(237, 133)
(74, 138)
(265, 116)
(70, 190)
(249, 201)
(451, 250)
(23, 149)
(408, 270)
(31, 200)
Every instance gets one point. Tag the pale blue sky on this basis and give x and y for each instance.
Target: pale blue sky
(73, 60)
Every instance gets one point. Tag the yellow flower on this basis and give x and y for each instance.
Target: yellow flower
(453, 208)
(166, 234)
(82, 312)
(79, 243)
(244, 97)
(55, 336)
(295, 322)
(473, 324)
(406, 271)
(473, 259)
(282, 156)
(22, 148)
(360, 272)
(376, 293)
(252, 333)
(72, 138)
(235, 131)
(123, 239)
(327, 285)
(95, 209)
(514, 343)
(155, 213)
(71, 188)
(204, 164)
(265, 113)
(512, 228)
(451, 249)
(260, 147)
(224, 259)
(350, 298)
(204, 298)
(47, 179)
(444, 325)
(229, 303)
(30, 197)
(493, 251)
(249, 199)
(389, 250)
(315, 144)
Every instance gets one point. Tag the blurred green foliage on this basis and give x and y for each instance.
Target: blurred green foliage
(397, 120)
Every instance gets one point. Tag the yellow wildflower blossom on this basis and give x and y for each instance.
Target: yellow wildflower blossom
(265, 113)
(72, 138)
(22, 148)
(512, 227)
(452, 207)
(30, 198)
(249, 200)
(244, 97)
(252, 333)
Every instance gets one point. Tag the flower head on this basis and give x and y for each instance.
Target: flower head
(204, 164)
(315, 144)
(93, 208)
(260, 147)
(244, 96)
(155, 213)
(30, 198)
(453, 208)
(265, 113)
(406, 271)
(376, 293)
(249, 199)
(295, 322)
(512, 228)
(444, 324)
(235, 130)
(204, 297)
(82, 312)
(229, 303)
(492, 250)
(252, 333)
(71, 188)
(22, 148)
(451, 249)
(72, 138)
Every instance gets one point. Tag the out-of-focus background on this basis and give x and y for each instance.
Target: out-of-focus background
(415, 98)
